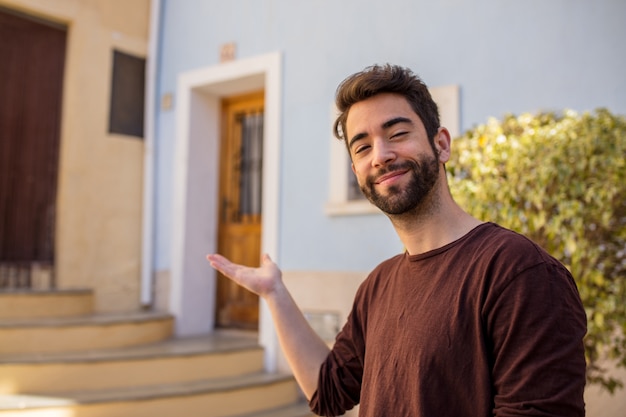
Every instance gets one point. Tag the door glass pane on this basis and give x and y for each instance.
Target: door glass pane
(251, 164)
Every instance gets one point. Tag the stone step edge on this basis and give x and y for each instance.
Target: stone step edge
(209, 386)
(170, 348)
(96, 319)
(43, 293)
(300, 409)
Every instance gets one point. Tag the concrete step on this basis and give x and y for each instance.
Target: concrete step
(221, 397)
(58, 359)
(56, 303)
(82, 333)
(299, 409)
(218, 355)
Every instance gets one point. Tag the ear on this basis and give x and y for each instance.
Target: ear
(352, 166)
(442, 143)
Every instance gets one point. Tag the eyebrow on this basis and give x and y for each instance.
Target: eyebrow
(386, 125)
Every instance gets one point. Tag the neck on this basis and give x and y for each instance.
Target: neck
(435, 223)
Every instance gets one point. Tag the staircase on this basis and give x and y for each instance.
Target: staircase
(59, 359)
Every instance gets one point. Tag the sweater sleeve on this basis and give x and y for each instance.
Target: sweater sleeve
(536, 325)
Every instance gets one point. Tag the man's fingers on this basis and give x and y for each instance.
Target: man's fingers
(218, 261)
(265, 259)
(221, 264)
(215, 258)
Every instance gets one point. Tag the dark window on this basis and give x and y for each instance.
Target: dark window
(127, 95)
(354, 191)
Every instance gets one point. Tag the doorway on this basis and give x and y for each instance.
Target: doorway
(31, 82)
(192, 291)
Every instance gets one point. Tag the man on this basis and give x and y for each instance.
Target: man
(472, 320)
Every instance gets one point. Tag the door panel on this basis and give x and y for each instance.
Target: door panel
(239, 231)
(32, 59)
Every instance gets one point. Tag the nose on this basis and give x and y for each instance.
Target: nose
(382, 153)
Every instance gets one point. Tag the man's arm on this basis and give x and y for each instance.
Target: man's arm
(537, 326)
(304, 349)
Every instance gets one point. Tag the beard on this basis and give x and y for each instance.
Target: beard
(423, 177)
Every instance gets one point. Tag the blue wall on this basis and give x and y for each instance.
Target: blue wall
(507, 56)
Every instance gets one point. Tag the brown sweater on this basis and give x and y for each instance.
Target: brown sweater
(488, 325)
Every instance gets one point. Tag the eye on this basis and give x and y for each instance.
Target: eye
(361, 148)
(398, 135)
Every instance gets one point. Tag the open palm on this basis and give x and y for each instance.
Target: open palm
(261, 280)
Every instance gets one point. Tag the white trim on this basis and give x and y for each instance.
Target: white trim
(351, 208)
(194, 211)
(146, 297)
(448, 99)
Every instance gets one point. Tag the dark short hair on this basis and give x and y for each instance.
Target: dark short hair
(387, 78)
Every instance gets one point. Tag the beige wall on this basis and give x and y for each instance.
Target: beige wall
(98, 224)
(600, 403)
(321, 292)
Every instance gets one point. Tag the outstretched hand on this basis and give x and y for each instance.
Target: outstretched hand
(261, 281)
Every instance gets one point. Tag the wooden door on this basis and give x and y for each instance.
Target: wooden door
(32, 59)
(239, 231)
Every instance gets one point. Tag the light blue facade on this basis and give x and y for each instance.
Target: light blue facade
(506, 56)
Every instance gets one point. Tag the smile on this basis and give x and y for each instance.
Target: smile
(390, 177)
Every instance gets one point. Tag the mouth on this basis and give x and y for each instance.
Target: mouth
(390, 177)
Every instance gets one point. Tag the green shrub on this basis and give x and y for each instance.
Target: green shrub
(560, 179)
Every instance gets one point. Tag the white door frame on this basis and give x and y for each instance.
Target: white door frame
(195, 188)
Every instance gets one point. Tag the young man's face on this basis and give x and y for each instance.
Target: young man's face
(394, 163)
